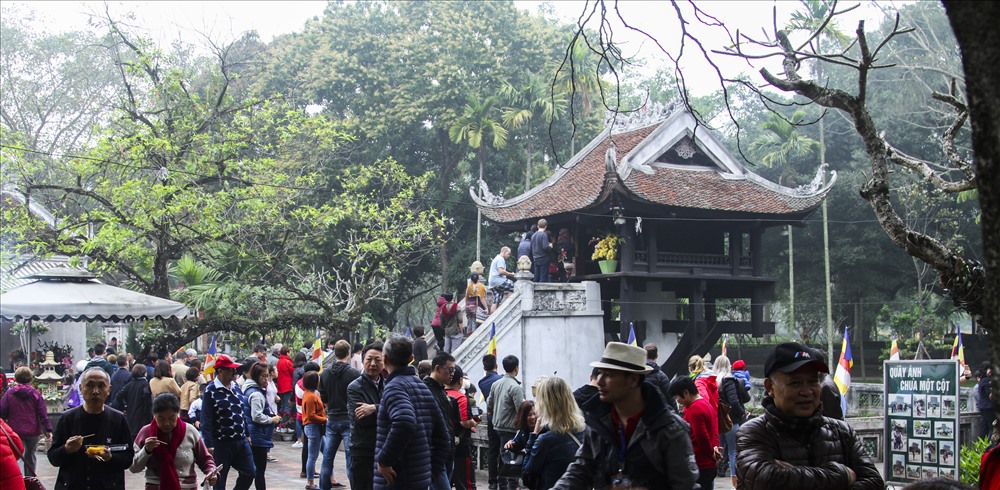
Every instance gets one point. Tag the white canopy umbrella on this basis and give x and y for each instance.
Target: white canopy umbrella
(65, 294)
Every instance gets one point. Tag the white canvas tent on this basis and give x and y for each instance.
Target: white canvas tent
(63, 294)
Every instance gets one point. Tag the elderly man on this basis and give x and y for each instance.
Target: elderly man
(223, 426)
(632, 440)
(792, 445)
(92, 444)
(363, 397)
(410, 425)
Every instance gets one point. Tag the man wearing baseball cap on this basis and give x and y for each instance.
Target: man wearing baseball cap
(632, 439)
(792, 445)
(223, 428)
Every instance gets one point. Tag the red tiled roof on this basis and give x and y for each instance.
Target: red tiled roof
(708, 189)
(584, 183)
(578, 188)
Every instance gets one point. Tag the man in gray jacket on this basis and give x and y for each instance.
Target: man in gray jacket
(632, 440)
(506, 396)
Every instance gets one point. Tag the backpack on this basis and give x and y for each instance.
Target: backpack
(725, 422)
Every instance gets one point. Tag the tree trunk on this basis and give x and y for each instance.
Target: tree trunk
(975, 29)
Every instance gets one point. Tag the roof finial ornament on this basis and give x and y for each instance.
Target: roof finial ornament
(489, 197)
(611, 157)
(648, 115)
(817, 181)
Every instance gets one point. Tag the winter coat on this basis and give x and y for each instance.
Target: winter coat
(410, 429)
(506, 396)
(659, 455)
(23, 407)
(333, 389)
(285, 370)
(984, 404)
(729, 393)
(10, 472)
(743, 375)
(708, 388)
(819, 450)
(547, 455)
(136, 401)
(363, 430)
(660, 380)
(257, 415)
(121, 378)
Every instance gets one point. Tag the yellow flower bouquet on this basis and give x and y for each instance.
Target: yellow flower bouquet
(607, 247)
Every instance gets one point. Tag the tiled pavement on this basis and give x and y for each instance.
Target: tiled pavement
(281, 475)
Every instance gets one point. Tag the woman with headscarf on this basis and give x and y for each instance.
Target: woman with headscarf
(169, 448)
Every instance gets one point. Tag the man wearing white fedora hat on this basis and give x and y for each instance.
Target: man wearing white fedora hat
(632, 440)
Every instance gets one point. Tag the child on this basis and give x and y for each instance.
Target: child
(740, 372)
(194, 411)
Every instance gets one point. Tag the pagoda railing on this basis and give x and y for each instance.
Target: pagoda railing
(672, 261)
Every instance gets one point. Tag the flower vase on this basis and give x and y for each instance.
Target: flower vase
(608, 266)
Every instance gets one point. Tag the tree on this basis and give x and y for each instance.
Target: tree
(479, 122)
(534, 97)
(966, 281)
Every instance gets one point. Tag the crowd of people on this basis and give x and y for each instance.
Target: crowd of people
(631, 426)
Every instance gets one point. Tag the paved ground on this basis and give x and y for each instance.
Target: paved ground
(281, 475)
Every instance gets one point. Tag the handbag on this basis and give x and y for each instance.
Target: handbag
(481, 314)
(511, 463)
(725, 421)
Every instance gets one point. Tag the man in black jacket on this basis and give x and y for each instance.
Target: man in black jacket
(101, 425)
(442, 369)
(792, 445)
(363, 397)
(333, 391)
(658, 378)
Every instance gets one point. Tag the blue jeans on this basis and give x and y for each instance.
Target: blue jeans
(729, 443)
(442, 479)
(337, 431)
(298, 429)
(314, 433)
(234, 454)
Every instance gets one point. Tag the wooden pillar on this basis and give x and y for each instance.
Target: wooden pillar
(651, 249)
(628, 248)
(698, 312)
(625, 307)
(755, 236)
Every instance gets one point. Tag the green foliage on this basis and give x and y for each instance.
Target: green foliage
(969, 460)
(912, 325)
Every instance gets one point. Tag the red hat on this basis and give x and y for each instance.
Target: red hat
(224, 362)
(739, 365)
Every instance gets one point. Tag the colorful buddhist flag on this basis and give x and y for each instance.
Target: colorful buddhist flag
(725, 339)
(958, 350)
(492, 349)
(842, 377)
(210, 359)
(631, 335)
(894, 350)
(318, 350)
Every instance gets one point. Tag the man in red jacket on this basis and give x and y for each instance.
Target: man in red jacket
(704, 422)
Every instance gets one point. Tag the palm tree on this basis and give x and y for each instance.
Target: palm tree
(535, 96)
(478, 123)
(579, 76)
(781, 141)
(811, 18)
(774, 147)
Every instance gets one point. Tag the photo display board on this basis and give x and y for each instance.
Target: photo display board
(921, 420)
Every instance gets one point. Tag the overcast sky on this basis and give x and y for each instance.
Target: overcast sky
(226, 20)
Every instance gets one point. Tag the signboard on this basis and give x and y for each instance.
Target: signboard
(921, 420)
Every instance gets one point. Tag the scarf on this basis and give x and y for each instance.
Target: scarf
(165, 454)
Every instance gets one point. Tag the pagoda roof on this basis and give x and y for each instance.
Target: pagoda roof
(662, 158)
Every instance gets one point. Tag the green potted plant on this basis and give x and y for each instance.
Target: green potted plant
(606, 252)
